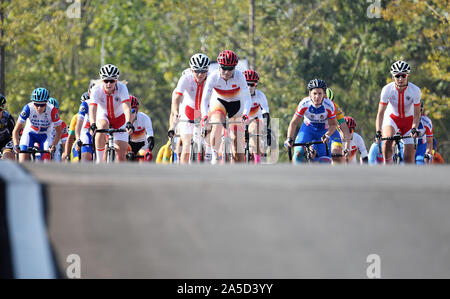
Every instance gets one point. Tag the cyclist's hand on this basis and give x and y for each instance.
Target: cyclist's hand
(130, 128)
(378, 135)
(325, 138)
(93, 128)
(52, 148)
(148, 155)
(428, 157)
(346, 152)
(414, 133)
(289, 142)
(204, 121)
(269, 137)
(17, 149)
(151, 142)
(78, 144)
(245, 119)
(171, 133)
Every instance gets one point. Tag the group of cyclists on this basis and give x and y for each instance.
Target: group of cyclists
(217, 116)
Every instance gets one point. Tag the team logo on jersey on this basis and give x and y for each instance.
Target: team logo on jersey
(116, 99)
(83, 109)
(34, 115)
(408, 98)
(322, 117)
(312, 116)
(234, 85)
(23, 114)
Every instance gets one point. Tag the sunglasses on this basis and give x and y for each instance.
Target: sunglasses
(200, 71)
(251, 84)
(227, 68)
(109, 81)
(40, 105)
(401, 75)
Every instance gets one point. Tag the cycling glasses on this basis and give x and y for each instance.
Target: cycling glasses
(40, 105)
(200, 71)
(227, 68)
(251, 84)
(109, 81)
(401, 75)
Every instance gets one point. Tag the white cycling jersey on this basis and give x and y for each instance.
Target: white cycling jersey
(235, 89)
(357, 144)
(109, 105)
(425, 128)
(39, 123)
(316, 116)
(400, 103)
(142, 128)
(259, 105)
(192, 93)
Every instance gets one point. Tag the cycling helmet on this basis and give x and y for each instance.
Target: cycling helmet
(91, 84)
(85, 96)
(199, 62)
(400, 67)
(109, 71)
(134, 102)
(54, 102)
(330, 94)
(317, 83)
(40, 94)
(351, 123)
(251, 75)
(2, 100)
(227, 58)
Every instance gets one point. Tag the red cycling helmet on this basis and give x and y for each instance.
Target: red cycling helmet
(351, 123)
(134, 102)
(251, 75)
(227, 58)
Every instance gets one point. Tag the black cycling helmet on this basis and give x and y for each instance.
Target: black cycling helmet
(2, 100)
(317, 83)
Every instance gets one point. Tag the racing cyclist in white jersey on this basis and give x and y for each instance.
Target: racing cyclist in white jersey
(186, 102)
(110, 106)
(141, 140)
(399, 110)
(226, 94)
(356, 143)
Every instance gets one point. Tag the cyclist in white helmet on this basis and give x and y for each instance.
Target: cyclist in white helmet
(186, 101)
(110, 106)
(399, 110)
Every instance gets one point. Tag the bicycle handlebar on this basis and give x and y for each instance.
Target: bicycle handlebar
(110, 131)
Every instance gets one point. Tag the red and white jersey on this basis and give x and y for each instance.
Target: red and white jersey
(425, 128)
(111, 104)
(192, 93)
(400, 103)
(357, 144)
(316, 116)
(64, 132)
(235, 89)
(263, 102)
(39, 123)
(258, 100)
(142, 128)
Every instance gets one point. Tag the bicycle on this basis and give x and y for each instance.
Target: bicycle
(110, 150)
(247, 136)
(310, 152)
(226, 140)
(397, 157)
(196, 147)
(79, 151)
(33, 151)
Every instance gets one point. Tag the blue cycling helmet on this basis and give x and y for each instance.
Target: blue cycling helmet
(40, 94)
(54, 102)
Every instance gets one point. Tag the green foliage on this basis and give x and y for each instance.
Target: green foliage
(151, 41)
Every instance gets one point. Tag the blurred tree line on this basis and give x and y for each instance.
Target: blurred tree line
(350, 44)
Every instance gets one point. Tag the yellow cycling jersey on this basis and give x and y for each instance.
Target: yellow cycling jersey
(339, 114)
(73, 124)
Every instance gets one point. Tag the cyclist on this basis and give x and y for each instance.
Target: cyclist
(424, 152)
(319, 120)
(110, 106)
(7, 124)
(226, 95)
(41, 116)
(82, 132)
(337, 152)
(375, 156)
(70, 139)
(186, 102)
(399, 110)
(64, 133)
(356, 143)
(259, 113)
(142, 137)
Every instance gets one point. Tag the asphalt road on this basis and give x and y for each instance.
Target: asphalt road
(271, 221)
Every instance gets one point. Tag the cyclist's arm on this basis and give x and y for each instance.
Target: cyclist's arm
(429, 145)
(206, 98)
(174, 111)
(78, 127)
(148, 126)
(15, 133)
(11, 124)
(92, 113)
(344, 128)
(57, 135)
(380, 116)
(416, 119)
(68, 145)
(293, 125)
(332, 123)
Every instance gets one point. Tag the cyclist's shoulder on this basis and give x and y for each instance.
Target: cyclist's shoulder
(142, 115)
(413, 87)
(328, 103)
(306, 101)
(260, 93)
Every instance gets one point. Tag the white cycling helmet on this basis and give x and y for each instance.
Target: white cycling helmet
(400, 67)
(109, 71)
(199, 62)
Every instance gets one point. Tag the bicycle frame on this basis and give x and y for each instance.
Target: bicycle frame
(309, 149)
(33, 151)
(397, 156)
(110, 150)
(226, 140)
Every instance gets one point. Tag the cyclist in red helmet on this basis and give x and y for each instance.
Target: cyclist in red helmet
(356, 143)
(226, 96)
(142, 136)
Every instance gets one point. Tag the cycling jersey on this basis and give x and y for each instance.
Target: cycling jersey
(425, 128)
(231, 91)
(142, 128)
(109, 107)
(357, 144)
(339, 114)
(400, 107)
(316, 116)
(64, 135)
(192, 93)
(7, 124)
(375, 156)
(259, 105)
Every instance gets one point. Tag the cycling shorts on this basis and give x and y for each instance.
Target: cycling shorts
(230, 109)
(115, 123)
(402, 124)
(312, 133)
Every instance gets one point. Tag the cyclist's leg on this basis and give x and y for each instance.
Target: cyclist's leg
(217, 114)
(321, 151)
(26, 141)
(409, 152)
(45, 141)
(420, 153)
(121, 144)
(237, 131)
(186, 151)
(86, 150)
(100, 139)
(304, 135)
(388, 130)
